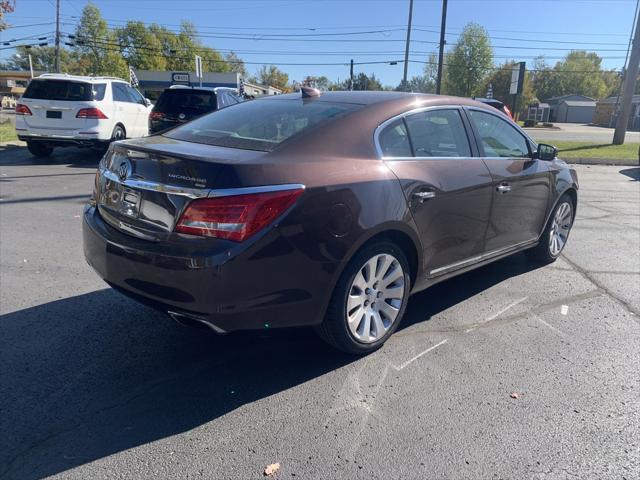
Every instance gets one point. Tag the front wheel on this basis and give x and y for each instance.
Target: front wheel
(556, 233)
(369, 299)
(39, 149)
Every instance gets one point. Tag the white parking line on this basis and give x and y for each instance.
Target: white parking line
(552, 328)
(410, 361)
(496, 315)
(564, 309)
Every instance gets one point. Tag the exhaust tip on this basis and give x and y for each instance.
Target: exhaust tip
(194, 322)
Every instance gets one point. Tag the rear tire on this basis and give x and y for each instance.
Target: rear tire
(39, 149)
(556, 233)
(118, 133)
(369, 299)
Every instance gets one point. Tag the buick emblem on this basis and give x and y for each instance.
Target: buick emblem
(123, 171)
(182, 116)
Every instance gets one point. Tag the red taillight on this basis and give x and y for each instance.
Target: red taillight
(156, 116)
(91, 113)
(22, 110)
(236, 217)
(506, 110)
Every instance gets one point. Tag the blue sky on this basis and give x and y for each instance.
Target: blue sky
(334, 31)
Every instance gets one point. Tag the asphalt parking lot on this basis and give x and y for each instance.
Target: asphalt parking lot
(510, 371)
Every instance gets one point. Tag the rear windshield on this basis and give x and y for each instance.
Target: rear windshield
(259, 124)
(59, 90)
(174, 102)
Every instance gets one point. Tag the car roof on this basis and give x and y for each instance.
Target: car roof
(201, 89)
(373, 97)
(77, 78)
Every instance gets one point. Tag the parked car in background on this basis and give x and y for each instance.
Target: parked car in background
(324, 210)
(59, 110)
(179, 104)
(497, 104)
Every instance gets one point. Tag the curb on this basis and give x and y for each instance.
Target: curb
(603, 161)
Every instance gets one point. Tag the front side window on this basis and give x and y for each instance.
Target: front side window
(135, 95)
(394, 140)
(438, 133)
(260, 125)
(498, 137)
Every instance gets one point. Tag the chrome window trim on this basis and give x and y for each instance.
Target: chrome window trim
(479, 258)
(383, 125)
(194, 193)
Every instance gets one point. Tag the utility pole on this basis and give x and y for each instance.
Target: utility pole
(406, 50)
(443, 27)
(351, 76)
(57, 36)
(631, 76)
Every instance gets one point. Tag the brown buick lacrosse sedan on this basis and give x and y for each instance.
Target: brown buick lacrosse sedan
(325, 210)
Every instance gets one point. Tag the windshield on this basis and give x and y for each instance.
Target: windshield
(59, 90)
(174, 102)
(259, 124)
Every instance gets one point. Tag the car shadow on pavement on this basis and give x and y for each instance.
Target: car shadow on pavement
(632, 173)
(88, 376)
(15, 155)
(424, 305)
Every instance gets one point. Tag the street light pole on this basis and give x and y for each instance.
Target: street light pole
(406, 50)
(443, 27)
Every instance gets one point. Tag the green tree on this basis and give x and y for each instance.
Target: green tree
(43, 59)
(580, 72)
(362, 81)
(469, 61)
(236, 64)
(6, 6)
(272, 75)
(96, 50)
(140, 47)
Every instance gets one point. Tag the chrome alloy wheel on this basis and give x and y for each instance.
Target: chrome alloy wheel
(375, 298)
(560, 228)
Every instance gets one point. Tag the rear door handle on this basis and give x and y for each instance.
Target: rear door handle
(503, 188)
(424, 195)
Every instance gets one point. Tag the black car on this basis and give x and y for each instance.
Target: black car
(180, 104)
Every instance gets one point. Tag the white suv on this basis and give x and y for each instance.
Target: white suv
(63, 110)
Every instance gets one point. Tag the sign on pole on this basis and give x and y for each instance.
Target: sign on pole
(517, 79)
(517, 83)
(199, 68)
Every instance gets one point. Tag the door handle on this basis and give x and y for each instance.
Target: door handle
(424, 195)
(503, 188)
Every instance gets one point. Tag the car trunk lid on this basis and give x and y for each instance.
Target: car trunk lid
(142, 188)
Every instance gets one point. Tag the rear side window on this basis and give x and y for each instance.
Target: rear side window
(499, 138)
(59, 90)
(260, 124)
(98, 91)
(175, 102)
(438, 133)
(394, 140)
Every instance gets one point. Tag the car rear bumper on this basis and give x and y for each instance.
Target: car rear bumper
(86, 140)
(228, 291)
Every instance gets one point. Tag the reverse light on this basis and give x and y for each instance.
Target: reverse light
(235, 217)
(22, 109)
(91, 113)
